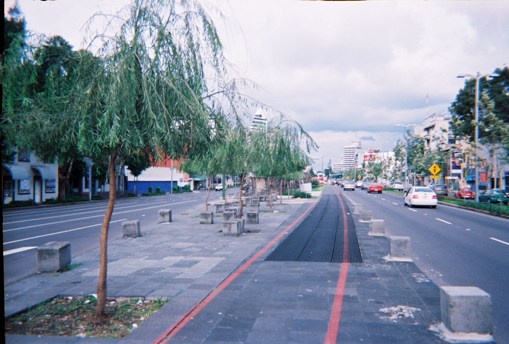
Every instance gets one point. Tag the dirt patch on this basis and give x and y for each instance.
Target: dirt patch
(75, 316)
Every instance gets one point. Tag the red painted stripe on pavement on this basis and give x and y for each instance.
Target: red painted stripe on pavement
(335, 316)
(177, 326)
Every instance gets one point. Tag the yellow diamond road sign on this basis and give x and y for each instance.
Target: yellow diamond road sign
(434, 169)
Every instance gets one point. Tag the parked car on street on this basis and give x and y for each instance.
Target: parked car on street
(421, 196)
(465, 193)
(374, 187)
(494, 196)
(348, 185)
(218, 187)
(440, 189)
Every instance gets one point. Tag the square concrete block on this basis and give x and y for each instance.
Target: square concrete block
(400, 247)
(253, 217)
(228, 215)
(219, 207)
(365, 215)
(233, 227)
(131, 229)
(164, 216)
(53, 256)
(376, 227)
(466, 310)
(207, 218)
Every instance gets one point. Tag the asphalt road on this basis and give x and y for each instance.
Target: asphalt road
(79, 224)
(455, 247)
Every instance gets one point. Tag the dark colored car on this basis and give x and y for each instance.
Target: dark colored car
(494, 196)
(373, 187)
(440, 189)
(465, 193)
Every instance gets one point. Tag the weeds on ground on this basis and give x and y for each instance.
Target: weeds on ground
(75, 316)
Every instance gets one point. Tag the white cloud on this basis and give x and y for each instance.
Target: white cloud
(344, 70)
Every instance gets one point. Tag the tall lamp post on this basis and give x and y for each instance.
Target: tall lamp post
(476, 77)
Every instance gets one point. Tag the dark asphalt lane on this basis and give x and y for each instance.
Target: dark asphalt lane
(455, 247)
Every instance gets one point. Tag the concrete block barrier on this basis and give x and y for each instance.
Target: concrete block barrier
(233, 227)
(466, 310)
(207, 217)
(253, 217)
(131, 229)
(376, 227)
(164, 216)
(400, 248)
(357, 209)
(365, 215)
(228, 215)
(219, 207)
(53, 256)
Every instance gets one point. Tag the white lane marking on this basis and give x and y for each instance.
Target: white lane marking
(395, 203)
(467, 229)
(102, 210)
(439, 219)
(20, 249)
(84, 218)
(61, 232)
(500, 241)
(412, 210)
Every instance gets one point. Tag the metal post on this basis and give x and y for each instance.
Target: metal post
(476, 137)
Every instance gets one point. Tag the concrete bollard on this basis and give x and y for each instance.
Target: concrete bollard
(466, 310)
(376, 227)
(228, 215)
(232, 227)
(131, 229)
(400, 248)
(253, 217)
(164, 216)
(365, 215)
(207, 218)
(53, 256)
(219, 207)
(357, 208)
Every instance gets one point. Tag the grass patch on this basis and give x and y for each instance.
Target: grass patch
(75, 317)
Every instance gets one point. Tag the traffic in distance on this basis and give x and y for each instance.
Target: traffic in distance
(425, 195)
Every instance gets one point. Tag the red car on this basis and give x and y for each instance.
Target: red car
(374, 188)
(465, 193)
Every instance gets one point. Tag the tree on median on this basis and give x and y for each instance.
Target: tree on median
(148, 90)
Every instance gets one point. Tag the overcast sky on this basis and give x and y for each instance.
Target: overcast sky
(347, 71)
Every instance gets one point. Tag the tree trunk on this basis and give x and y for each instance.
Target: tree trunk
(209, 188)
(241, 206)
(103, 241)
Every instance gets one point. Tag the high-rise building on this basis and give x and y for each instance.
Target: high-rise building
(259, 121)
(349, 153)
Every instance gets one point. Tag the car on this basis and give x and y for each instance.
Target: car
(365, 184)
(218, 187)
(494, 196)
(421, 196)
(397, 186)
(374, 187)
(349, 185)
(465, 193)
(358, 184)
(440, 189)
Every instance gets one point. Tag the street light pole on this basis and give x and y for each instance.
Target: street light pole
(477, 78)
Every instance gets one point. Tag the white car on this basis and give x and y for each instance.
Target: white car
(397, 186)
(348, 185)
(421, 196)
(218, 187)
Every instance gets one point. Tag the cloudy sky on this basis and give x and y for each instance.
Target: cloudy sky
(347, 71)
